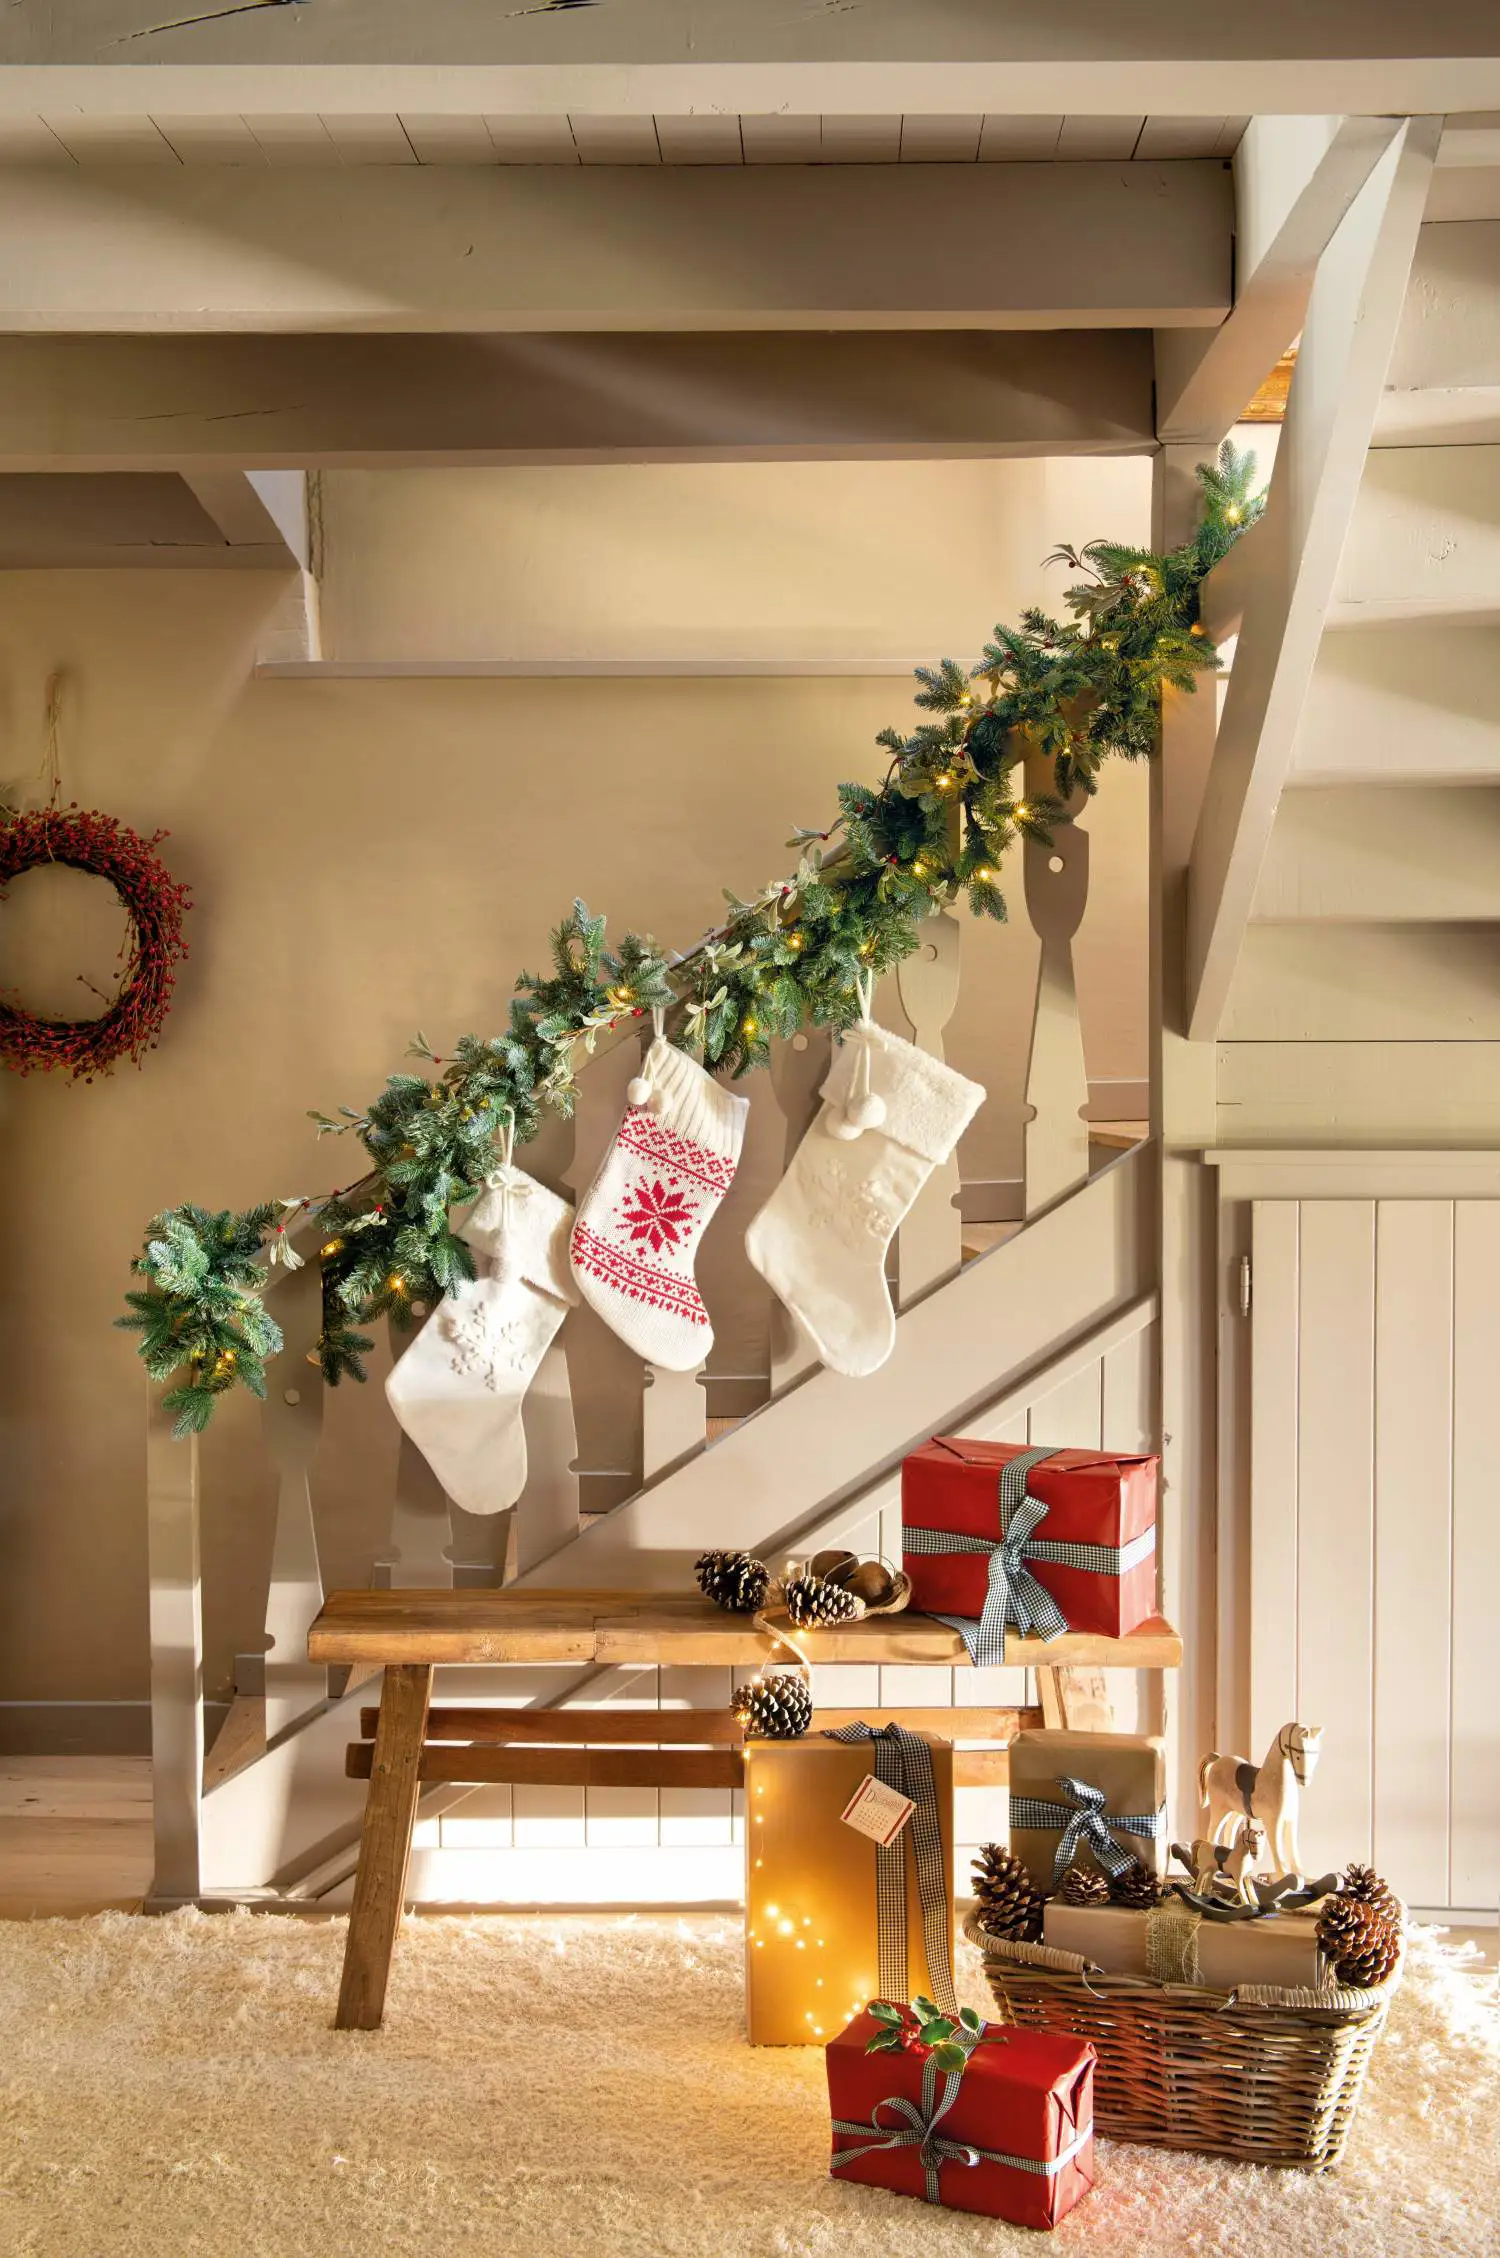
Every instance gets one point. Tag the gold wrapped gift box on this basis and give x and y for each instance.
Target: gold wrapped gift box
(812, 1954)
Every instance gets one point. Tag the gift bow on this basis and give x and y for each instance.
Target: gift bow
(903, 1761)
(1085, 1818)
(920, 2132)
(1014, 1598)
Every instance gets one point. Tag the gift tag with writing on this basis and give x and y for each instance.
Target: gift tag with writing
(877, 1811)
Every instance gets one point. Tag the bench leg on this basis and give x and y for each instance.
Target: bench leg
(385, 1846)
(1078, 1700)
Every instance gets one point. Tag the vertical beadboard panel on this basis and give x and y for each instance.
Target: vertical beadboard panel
(1336, 1521)
(1413, 1548)
(1274, 1583)
(1474, 1871)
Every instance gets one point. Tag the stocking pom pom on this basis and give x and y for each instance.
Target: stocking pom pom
(867, 1112)
(840, 1125)
(638, 1090)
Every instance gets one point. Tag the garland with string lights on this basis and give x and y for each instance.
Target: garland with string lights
(952, 804)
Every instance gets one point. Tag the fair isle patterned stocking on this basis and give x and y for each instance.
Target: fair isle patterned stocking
(673, 1158)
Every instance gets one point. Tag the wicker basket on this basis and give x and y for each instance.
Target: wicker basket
(1268, 2076)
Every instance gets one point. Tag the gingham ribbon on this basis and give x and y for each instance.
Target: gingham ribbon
(1015, 1599)
(903, 1761)
(1084, 1818)
(920, 2132)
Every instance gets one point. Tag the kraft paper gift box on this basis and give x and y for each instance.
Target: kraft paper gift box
(1092, 1551)
(1175, 1945)
(812, 1942)
(1025, 2101)
(1097, 1798)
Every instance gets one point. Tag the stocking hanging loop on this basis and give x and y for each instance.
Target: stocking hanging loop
(640, 1086)
(864, 1108)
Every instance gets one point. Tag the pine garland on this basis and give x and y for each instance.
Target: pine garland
(951, 807)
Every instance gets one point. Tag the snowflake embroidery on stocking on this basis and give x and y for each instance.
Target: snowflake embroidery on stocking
(848, 1206)
(661, 1217)
(477, 1345)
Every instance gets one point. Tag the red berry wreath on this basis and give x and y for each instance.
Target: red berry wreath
(154, 902)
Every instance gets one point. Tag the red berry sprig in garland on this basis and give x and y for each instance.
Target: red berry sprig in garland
(154, 902)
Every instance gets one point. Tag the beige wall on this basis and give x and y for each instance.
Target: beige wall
(367, 857)
(761, 561)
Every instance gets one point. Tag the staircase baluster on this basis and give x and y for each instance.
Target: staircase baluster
(417, 1556)
(1057, 1086)
(608, 1379)
(292, 1422)
(930, 1243)
(798, 1071)
(175, 1569)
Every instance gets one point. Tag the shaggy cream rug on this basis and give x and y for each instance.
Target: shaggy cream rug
(173, 2089)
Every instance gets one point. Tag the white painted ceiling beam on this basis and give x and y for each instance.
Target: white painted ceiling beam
(1295, 178)
(1093, 58)
(52, 520)
(615, 248)
(262, 510)
(214, 405)
(1352, 320)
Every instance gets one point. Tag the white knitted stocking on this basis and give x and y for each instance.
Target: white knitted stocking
(890, 1114)
(458, 1389)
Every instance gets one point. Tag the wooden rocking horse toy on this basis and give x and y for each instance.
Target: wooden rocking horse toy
(1234, 1790)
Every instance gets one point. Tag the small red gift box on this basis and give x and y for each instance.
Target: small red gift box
(1095, 1499)
(1025, 2101)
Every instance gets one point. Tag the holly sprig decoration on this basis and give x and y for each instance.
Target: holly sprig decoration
(952, 804)
(924, 2029)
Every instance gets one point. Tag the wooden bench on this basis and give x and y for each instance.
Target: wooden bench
(408, 1633)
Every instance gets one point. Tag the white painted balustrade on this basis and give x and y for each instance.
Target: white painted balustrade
(604, 1428)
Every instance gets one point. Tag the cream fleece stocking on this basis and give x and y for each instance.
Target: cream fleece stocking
(458, 1389)
(890, 1114)
(673, 1158)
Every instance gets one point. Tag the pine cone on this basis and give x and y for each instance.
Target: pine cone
(1358, 1942)
(1363, 1884)
(1136, 1887)
(812, 1602)
(1084, 1885)
(777, 1707)
(1010, 1904)
(733, 1580)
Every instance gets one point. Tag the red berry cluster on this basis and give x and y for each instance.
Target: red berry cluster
(83, 839)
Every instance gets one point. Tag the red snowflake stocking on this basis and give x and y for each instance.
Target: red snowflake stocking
(636, 1237)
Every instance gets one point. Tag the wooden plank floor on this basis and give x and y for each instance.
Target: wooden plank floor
(75, 1834)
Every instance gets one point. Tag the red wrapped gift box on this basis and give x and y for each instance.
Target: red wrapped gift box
(1026, 2096)
(1092, 1498)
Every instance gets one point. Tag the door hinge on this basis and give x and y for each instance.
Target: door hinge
(1244, 1285)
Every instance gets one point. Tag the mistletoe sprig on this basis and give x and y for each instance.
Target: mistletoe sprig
(953, 803)
(924, 2029)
